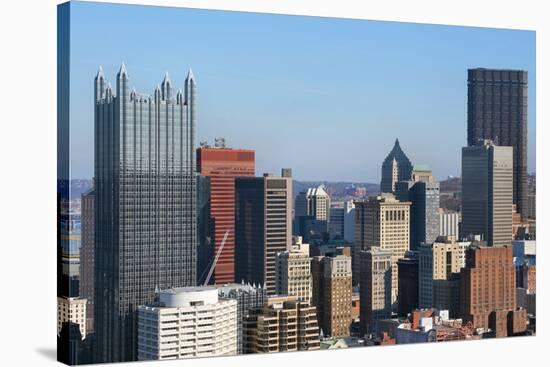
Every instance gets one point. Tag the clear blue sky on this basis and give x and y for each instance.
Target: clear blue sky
(326, 97)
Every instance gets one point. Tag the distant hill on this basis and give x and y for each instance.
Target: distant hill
(335, 189)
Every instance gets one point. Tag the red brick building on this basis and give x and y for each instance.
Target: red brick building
(222, 165)
(488, 295)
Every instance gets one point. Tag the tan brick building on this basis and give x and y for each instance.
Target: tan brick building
(284, 324)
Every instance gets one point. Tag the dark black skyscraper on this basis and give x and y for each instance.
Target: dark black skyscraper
(497, 110)
(145, 219)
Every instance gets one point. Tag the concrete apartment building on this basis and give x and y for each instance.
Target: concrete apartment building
(332, 293)
(263, 226)
(294, 271)
(283, 324)
(187, 322)
(71, 310)
(487, 192)
(384, 222)
(375, 288)
(437, 264)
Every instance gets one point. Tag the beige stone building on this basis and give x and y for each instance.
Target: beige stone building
(332, 293)
(294, 271)
(71, 310)
(383, 222)
(284, 324)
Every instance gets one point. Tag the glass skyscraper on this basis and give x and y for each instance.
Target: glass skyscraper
(145, 204)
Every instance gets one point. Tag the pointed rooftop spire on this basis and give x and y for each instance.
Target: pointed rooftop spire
(122, 70)
(166, 78)
(99, 72)
(396, 141)
(190, 75)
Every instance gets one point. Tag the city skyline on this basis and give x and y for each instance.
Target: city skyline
(280, 89)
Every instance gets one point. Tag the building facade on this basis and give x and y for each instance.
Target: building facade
(497, 110)
(332, 293)
(187, 323)
(87, 254)
(248, 297)
(488, 291)
(487, 188)
(336, 222)
(437, 264)
(384, 222)
(222, 165)
(263, 219)
(145, 190)
(284, 324)
(375, 288)
(407, 294)
(449, 223)
(396, 167)
(424, 212)
(72, 310)
(294, 271)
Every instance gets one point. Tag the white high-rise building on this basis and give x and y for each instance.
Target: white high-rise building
(187, 322)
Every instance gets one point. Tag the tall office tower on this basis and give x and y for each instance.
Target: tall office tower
(186, 323)
(87, 255)
(382, 221)
(222, 165)
(349, 221)
(145, 204)
(487, 192)
(248, 297)
(488, 290)
(497, 110)
(423, 193)
(263, 207)
(71, 310)
(283, 324)
(396, 167)
(332, 292)
(336, 221)
(448, 223)
(407, 294)
(294, 271)
(436, 263)
(375, 288)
